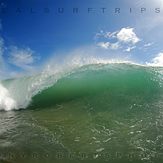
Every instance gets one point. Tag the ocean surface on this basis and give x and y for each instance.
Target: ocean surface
(94, 113)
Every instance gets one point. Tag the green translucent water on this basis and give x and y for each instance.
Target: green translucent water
(105, 113)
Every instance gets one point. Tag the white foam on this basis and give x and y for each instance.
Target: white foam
(6, 101)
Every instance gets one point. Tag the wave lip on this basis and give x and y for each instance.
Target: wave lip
(6, 101)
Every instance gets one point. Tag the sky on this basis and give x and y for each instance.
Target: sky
(34, 31)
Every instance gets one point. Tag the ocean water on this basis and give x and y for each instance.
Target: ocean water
(94, 113)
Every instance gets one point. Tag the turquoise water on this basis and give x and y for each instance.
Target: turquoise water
(96, 113)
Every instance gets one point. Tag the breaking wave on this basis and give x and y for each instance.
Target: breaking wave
(77, 79)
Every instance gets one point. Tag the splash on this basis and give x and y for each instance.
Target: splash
(6, 101)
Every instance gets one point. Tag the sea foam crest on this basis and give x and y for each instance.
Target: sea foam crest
(6, 101)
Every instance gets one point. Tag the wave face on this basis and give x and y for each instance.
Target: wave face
(116, 80)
